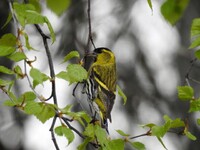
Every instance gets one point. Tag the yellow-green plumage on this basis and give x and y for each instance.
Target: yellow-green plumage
(103, 73)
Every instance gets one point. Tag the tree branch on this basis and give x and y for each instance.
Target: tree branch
(90, 39)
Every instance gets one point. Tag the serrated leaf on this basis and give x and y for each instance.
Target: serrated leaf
(58, 131)
(58, 6)
(172, 10)
(195, 29)
(101, 135)
(32, 108)
(75, 73)
(117, 144)
(68, 134)
(185, 92)
(9, 103)
(195, 43)
(190, 135)
(121, 93)
(5, 70)
(122, 133)
(17, 56)
(46, 113)
(37, 76)
(71, 55)
(27, 14)
(138, 145)
(150, 4)
(174, 123)
(29, 96)
(89, 131)
(194, 105)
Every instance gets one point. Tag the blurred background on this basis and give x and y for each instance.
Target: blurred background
(152, 60)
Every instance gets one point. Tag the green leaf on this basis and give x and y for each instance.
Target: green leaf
(117, 144)
(8, 20)
(198, 121)
(58, 6)
(32, 108)
(58, 130)
(21, 14)
(66, 109)
(138, 145)
(101, 135)
(6, 70)
(27, 14)
(190, 135)
(36, 4)
(17, 69)
(83, 145)
(64, 131)
(172, 10)
(121, 93)
(158, 131)
(17, 56)
(89, 131)
(71, 55)
(75, 73)
(174, 123)
(7, 44)
(5, 82)
(185, 92)
(122, 133)
(68, 134)
(6, 50)
(197, 54)
(160, 140)
(150, 4)
(8, 40)
(52, 33)
(195, 43)
(29, 96)
(195, 29)
(194, 105)
(28, 46)
(9, 103)
(38, 77)
(150, 125)
(46, 113)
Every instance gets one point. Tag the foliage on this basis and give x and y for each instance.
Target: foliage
(15, 48)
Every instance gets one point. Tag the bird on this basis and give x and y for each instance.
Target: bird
(101, 83)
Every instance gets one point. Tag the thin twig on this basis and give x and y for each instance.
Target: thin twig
(90, 39)
(141, 135)
(50, 61)
(71, 127)
(52, 132)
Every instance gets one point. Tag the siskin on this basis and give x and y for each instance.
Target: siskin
(101, 83)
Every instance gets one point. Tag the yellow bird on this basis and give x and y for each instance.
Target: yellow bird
(101, 84)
